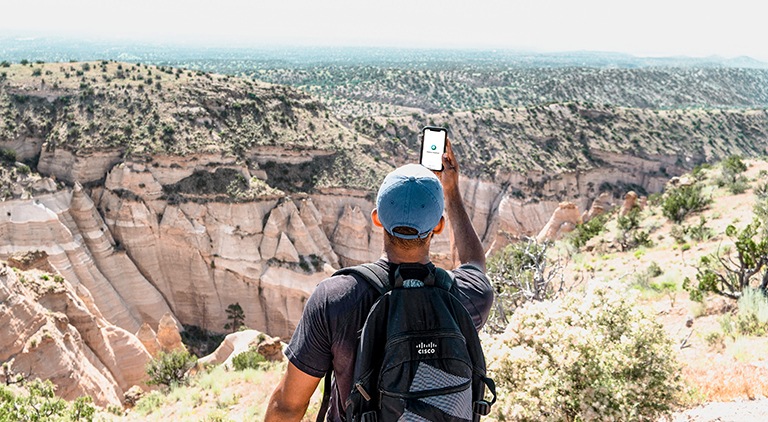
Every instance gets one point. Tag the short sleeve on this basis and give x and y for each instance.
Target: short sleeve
(310, 346)
(475, 292)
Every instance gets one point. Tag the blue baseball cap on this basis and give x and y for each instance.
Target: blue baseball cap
(410, 196)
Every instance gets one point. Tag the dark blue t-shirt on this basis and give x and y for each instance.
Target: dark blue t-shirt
(327, 333)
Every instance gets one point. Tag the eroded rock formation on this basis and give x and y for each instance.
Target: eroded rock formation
(563, 220)
(47, 331)
(630, 201)
(166, 237)
(242, 341)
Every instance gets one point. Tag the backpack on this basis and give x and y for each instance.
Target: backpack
(419, 356)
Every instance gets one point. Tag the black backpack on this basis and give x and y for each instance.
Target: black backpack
(419, 356)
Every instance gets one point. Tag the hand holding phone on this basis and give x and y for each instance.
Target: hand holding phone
(433, 147)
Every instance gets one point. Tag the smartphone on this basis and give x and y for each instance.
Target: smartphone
(433, 147)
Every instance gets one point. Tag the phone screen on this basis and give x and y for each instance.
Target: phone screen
(433, 147)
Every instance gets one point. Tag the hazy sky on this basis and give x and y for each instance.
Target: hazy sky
(643, 27)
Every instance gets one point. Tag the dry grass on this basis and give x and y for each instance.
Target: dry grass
(218, 395)
(725, 379)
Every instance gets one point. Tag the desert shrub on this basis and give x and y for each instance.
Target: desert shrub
(732, 177)
(635, 239)
(699, 232)
(654, 270)
(8, 155)
(521, 272)
(170, 368)
(727, 272)
(591, 357)
(41, 404)
(631, 220)
(251, 358)
(683, 200)
(761, 190)
(23, 169)
(699, 171)
(752, 314)
(583, 232)
(643, 279)
(715, 340)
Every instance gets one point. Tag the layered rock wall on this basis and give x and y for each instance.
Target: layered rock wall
(48, 330)
(154, 238)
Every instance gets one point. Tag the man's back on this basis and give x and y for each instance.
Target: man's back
(335, 315)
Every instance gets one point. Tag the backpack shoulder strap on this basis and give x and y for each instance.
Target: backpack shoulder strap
(372, 273)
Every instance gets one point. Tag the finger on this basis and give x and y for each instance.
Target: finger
(449, 160)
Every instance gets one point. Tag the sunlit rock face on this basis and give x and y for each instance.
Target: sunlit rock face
(49, 330)
(68, 228)
(563, 220)
(165, 234)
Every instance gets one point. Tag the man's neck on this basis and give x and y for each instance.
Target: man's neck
(400, 257)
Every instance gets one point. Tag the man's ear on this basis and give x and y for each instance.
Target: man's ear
(375, 218)
(440, 226)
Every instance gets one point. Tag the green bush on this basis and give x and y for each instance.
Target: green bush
(631, 220)
(583, 232)
(683, 200)
(752, 314)
(643, 279)
(727, 275)
(761, 190)
(654, 270)
(682, 234)
(41, 404)
(7, 155)
(732, 178)
(170, 368)
(699, 172)
(251, 358)
(635, 239)
(149, 403)
(592, 357)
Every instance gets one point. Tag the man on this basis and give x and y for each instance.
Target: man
(409, 207)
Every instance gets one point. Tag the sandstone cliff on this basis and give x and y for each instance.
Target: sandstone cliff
(170, 236)
(50, 329)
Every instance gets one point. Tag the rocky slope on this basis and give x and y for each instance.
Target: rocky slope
(52, 329)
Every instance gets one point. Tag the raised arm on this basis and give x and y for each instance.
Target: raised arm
(465, 241)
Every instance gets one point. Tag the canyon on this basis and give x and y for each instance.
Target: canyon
(141, 254)
(161, 196)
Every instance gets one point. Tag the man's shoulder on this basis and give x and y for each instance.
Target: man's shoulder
(470, 273)
(340, 289)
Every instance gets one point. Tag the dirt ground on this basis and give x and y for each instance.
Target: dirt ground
(735, 411)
